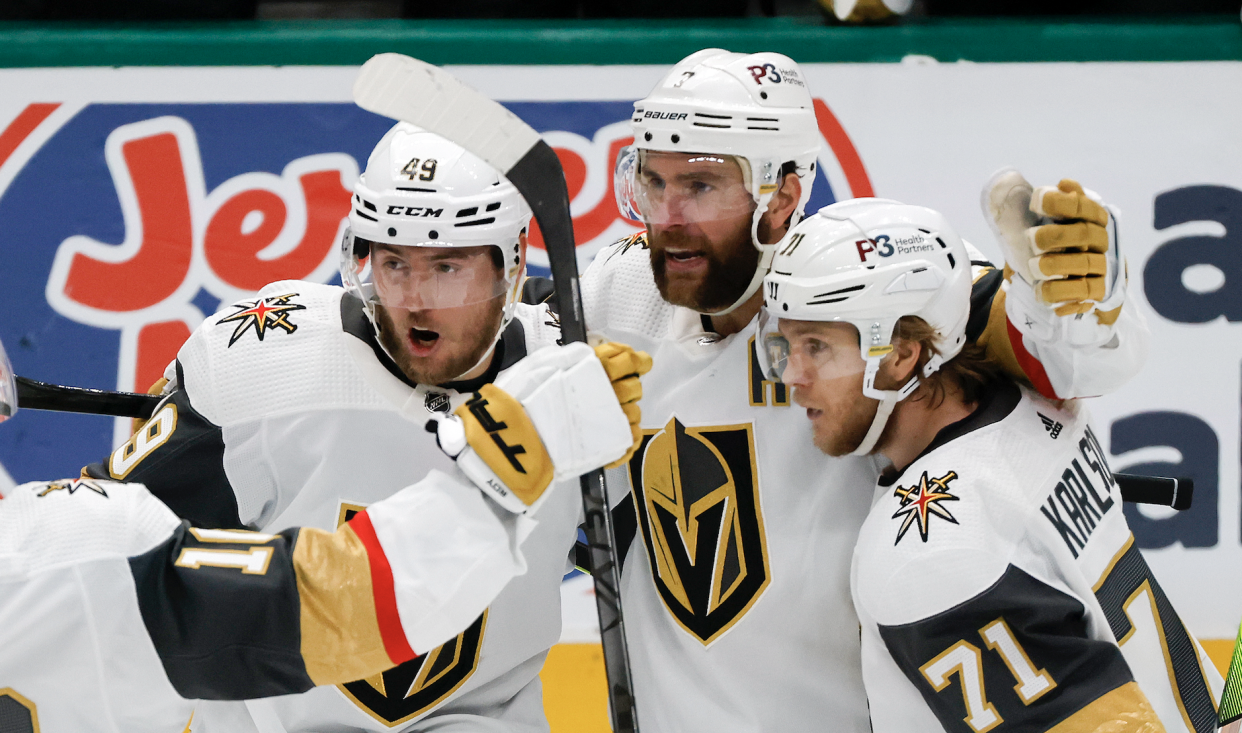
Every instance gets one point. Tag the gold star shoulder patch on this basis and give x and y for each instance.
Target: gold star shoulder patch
(261, 315)
(923, 500)
(72, 486)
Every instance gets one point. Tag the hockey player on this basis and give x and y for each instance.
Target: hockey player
(309, 403)
(736, 586)
(113, 611)
(995, 577)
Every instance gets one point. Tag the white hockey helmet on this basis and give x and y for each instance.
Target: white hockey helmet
(421, 190)
(869, 262)
(8, 387)
(754, 108)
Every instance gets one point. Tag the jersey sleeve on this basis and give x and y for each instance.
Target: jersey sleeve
(1018, 654)
(179, 455)
(235, 614)
(1062, 357)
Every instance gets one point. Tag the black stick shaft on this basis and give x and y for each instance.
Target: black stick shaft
(1172, 492)
(34, 395)
(548, 198)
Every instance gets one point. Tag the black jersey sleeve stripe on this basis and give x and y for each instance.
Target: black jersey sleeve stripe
(1045, 624)
(224, 616)
(981, 295)
(187, 471)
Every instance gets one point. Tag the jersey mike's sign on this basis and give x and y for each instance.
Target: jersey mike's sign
(137, 202)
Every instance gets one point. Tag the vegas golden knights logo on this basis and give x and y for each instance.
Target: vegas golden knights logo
(699, 516)
(415, 687)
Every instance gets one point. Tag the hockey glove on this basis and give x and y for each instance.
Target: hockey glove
(1066, 277)
(552, 416)
(624, 366)
(1055, 239)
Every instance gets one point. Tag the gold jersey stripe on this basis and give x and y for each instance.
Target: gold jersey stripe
(995, 340)
(341, 639)
(1125, 707)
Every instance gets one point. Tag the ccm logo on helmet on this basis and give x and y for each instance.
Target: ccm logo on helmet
(885, 246)
(414, 211)
(664, 115)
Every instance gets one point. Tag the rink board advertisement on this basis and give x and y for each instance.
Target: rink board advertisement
(135, 202)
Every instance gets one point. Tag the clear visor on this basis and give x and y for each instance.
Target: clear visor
(806, 350)
(668, 189)
(8, 387)
(432, 276)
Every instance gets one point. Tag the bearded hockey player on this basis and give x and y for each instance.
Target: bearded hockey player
(309, 404)
(995, 577)
(736, 585)
(113, 611)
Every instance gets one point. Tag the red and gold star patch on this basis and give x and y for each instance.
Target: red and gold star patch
(920, 502)
(262, 314)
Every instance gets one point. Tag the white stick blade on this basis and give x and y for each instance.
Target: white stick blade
(414, 91)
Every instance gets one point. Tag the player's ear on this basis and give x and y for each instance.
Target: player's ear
(522, 251)
(901, 364)
(782, 205)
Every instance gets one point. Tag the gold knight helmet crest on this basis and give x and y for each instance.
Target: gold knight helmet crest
(700, 519)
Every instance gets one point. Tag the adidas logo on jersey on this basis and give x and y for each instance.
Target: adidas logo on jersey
(1052, 426)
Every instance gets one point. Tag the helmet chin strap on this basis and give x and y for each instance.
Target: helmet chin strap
(888, 399)
(766, 252)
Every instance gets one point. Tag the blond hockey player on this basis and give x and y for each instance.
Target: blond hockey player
(310, 403)
(113, 611)
(995, 577)
(736, 584)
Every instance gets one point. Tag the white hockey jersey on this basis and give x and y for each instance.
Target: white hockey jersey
(113, 612)
(999, 588)
(74, 654)
(291, 412)
(735, 586)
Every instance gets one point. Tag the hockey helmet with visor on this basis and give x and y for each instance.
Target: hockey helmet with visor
(431, 226)
(868, 263)
(738, 123)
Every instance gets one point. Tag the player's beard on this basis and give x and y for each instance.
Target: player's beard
(719, 285)
(840, 429)
(465, 335)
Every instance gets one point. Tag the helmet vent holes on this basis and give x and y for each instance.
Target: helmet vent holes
(476, 222)
(416, 190)
(708, 124)
(647, 136)
(370, 206)
(468, 212)
(675, 138)
(941, 243)
(433, 233)
(713, 117)
(493, 206)
(952, 262)
(365, 216)
(392, 232)
(763, 95)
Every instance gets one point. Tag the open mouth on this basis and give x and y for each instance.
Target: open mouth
(423, 342)
(683, 259)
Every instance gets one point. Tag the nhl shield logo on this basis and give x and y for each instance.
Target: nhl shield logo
(436, 402)
(699, 517)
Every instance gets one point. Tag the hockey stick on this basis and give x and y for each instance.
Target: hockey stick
(1177, 493)
(33, 395)
(410, 90)
(1173, 492)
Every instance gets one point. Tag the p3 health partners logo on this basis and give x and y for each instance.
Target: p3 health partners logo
(697, 498)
